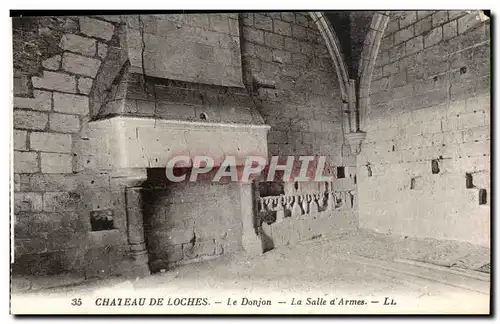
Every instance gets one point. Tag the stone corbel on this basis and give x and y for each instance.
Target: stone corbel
(354, 136)
(355, 139)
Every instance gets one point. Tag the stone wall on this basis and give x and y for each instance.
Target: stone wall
(201, 48)
(56, 197)
(287, 65)
(69, 217)
(424, 169)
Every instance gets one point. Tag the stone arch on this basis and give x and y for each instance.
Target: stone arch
(367, 63)
(335, 50)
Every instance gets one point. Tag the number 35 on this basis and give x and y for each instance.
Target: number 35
(76, 302)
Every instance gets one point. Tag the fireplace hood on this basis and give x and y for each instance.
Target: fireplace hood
(142, 115)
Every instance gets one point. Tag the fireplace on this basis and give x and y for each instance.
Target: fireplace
(172, 223)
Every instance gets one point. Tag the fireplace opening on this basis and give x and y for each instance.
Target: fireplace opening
(189, 221)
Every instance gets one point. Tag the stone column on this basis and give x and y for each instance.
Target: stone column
(251, 240)
(131, 180)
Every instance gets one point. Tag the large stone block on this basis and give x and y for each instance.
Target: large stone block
(80, 64)
(467, 22)
(174, 253)
(96, 28)
(78, 44)
(439, 17)
(42, 101)
(50, 142)
(25, 162)
(424, 13)
(53, 182)
(30, 119)
(27, 201)
(414, 45)
(433, 37)
(404, 34)
(450, 30)
(282, 28)
(56, 163)
(20, 140)
(55, 81)
(84, 85)
(52, 63)
(60, 201)
(21, 87)
(423, 26)
(392, 26)
(262, 21)
(407, 18)
(198, 20)
(386, 43)
(219, 23)
(179, 236)
(64, 123)
(300, 32)
(71, 104)
(254, 35)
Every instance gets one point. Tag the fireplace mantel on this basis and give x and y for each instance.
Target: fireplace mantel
(124, 142)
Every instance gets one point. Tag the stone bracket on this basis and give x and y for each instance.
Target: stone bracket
(355, 139)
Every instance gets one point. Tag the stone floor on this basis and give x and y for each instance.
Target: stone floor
(356, 266)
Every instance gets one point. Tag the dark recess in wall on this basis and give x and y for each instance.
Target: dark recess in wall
(340, 172)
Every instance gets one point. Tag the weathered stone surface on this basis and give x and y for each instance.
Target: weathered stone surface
(71, 104)
(60, 201)
(27, 201)
(80, 64)
(115, 18)
(467, 22)
(53, 182)
(439, 17)
(50, 142)
(25, 162)
(179, 236)
(426, 113)
(20, 140)
(423, 26)
(56, 163)
(17, 182)
(78, 44)
(64, 123)
(407, 18)
(84, 85)
(55, 81)
(433, 37)
(21, 87)
(42, 101)
(26, 119)
(410, 122)
(199, 249)
(403, 35)
(450, 30)
(96, 28)
(102, 50)
(414, 45)
(52, 63)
